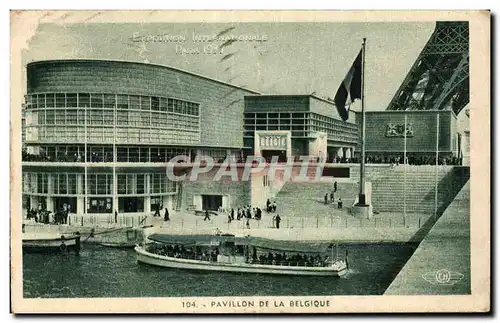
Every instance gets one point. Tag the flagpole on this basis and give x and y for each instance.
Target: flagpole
(362, 197)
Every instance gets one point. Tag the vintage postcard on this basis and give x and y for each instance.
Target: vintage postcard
(250, 162)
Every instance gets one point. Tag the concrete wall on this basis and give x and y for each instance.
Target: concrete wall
(277, 103)
(329, 109)
(221, 105)
(238, 192)
(424, 135)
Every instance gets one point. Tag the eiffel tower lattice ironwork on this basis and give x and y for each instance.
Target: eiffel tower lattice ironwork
(439, 78)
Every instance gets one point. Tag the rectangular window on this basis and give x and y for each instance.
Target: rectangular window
(122, 102)
(60, 116)
(96, 117)
(96, 100)
(143, 155)
(50, 116)
(145, 119)
(145, 103)
(170, 105)
(122, 117)
(130, 183)
(71, 100)
(60, 100)
(41, 101)
(50, 101)
(140, 184)
(133, 154)
(134, 102)
(109, 101)
(62, 183)
(122, 181)
(155, 103)
(122, 154)
(102, 187)
(83, 100)
(42, 182)
(72, 184)
(108, 117)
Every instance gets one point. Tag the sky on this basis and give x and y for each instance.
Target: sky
(290, 58)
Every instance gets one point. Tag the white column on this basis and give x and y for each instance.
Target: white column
(115, 195)
(50, 191)
(147, 204)
(147, 199)
(34, 202)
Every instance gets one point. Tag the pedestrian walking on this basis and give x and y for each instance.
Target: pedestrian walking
(278, 220)
(157, 211)
(335, 187)
(207, 216)
(326, 198)
(116, 216)
(339, 203)
(332, 197)
(166, 216)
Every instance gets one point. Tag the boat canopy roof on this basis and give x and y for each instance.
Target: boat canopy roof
(289, 246)
(198, 239)
(261, 243)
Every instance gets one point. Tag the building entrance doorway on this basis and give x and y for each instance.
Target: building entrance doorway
(211, 202)
(130, 204)
(61, 201)
(268, 155)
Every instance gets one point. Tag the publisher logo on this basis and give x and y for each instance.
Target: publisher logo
(443, 277)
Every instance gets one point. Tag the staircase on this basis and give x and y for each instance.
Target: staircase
(388, 191)
(307, 198)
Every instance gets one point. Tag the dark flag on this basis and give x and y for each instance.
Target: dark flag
(350, 89)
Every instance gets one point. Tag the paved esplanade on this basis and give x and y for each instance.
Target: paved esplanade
(441, 264)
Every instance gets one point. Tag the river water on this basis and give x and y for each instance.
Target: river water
(106, 272)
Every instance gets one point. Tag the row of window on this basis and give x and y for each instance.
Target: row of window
(70, 153)
(103, 117)
(97, 184)
(110, 101)
(102, 134)
(274, 115)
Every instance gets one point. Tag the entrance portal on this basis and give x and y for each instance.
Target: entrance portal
(131, 204)
(60, 201)
(268, 155)
(211, 202)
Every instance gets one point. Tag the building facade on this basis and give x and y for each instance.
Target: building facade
(98, 136)
(105, 129)
(298, 125)
(426, 130)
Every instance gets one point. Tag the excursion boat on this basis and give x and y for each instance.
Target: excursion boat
(241, 254)
(51, 242)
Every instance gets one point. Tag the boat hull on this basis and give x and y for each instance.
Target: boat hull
(163, 261)
(55, 245)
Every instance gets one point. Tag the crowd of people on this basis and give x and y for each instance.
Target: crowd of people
(413, 160)
(42, 215)
(247, 213)
(270, 258)
(296, 259)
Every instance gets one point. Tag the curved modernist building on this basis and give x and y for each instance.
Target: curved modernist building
(104, 130)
